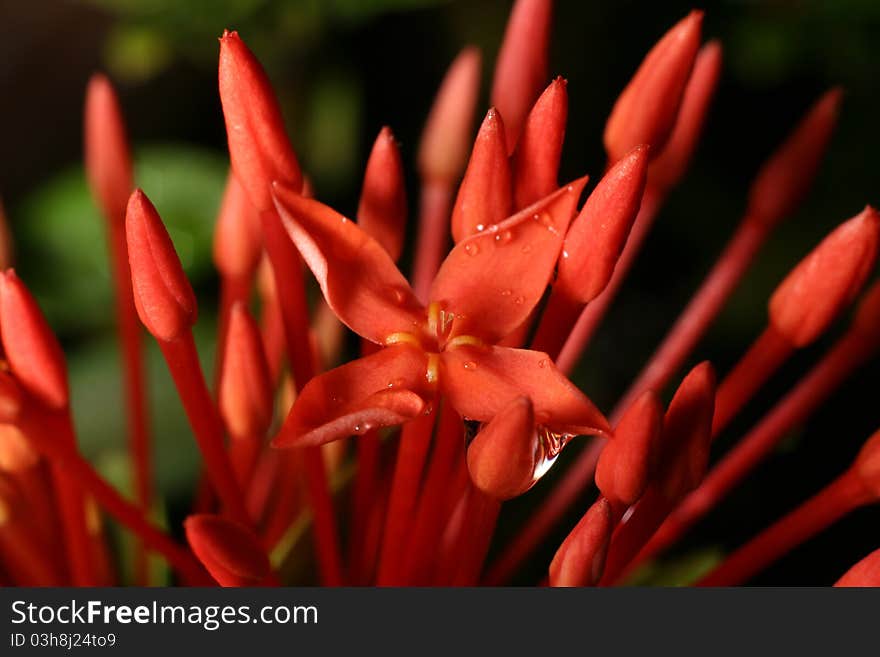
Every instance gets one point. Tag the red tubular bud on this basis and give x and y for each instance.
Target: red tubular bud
(31, 348)
(163, 296)
(485, 196)
(865, 573)
(16, 453)
(238, 244)
(446, 141)
(824, 282)
(687, 434)
(245, 395)
(785, 178)
(536, 159)
(229, 551)
(627, 462)
(867, 464)
(107, 155)
(670, 164)
(580, 559)
(646, 110)
(521, 68)
(598, 234)
(382, 209)
(503, 456)
(258, 145)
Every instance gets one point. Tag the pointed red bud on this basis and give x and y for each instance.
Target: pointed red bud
(628, 461)
(785, 178)
(521, 68)
(382, 209)
(824, 282)
(31, 348)
(646, 110)
(866, 573)
(580, 559)
(485, 196)
(502, 458)
(446, 140)
(536, 159)
(258, 145)
(867, 464)
(687, 434)
(107, 155)
(163, 296)
(6, 244)
(10, 397)
(669, 166)
(238, 243)
(598, 234)
(229, 551)
(245, 396)
(16, 453)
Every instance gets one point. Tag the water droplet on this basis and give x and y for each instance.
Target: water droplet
(550, 445)
(503, 237)
(344, 220)
(471, 249)
(480, 228)
(548, 223)
(469, 365)
(565, 254)
(398, 295)
(506, 293)
(357, 428)
(519, 301)
(396, 383)
(542, 363)
(527, 248)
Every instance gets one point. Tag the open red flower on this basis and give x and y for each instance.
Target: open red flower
(486, 288)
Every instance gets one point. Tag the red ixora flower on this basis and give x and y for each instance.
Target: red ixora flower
(486, 289)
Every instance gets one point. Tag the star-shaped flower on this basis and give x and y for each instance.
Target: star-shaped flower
(488, 285)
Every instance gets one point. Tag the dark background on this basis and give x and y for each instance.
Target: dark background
(343, 68)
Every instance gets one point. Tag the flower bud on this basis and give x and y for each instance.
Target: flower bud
(230, 552)
(382, 209)
(866, 573)
(238, 244)
(580, 559)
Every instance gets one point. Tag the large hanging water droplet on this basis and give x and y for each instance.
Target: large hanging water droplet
(471, 248)
(550, 446)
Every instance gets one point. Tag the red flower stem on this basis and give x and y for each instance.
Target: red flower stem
(364, 496)
(363, 567)
(244, 453)
(412, 452)
(702, 309)
(71, 504)
(833, 502)
(289, 281)
(557, 321)
(430, 518)
(183, 363)
(594, 312)
(481, 516)
(233, 289)
(36, 487)
(24, 552)
(835, 367)
(433, 237)
(130, 338)
(762, 359)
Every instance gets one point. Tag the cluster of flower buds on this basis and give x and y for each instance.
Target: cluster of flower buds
(460, 399)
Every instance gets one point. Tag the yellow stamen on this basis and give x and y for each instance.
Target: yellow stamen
(398, 338)
(432, 374)
(434, 318)
(465, 340)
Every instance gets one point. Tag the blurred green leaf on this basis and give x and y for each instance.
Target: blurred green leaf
(678, 571)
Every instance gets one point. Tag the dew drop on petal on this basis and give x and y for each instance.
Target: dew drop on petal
(519, 301)
(469, 365)
(480, 228)
(471, 249)
(527, 248)
(506, 293)
(550, 445)
(396, 383)
(542, 363)
(503, 237)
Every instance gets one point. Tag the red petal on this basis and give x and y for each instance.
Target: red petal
(31, 348)
(381, 390)
(382, 210)
(258, 145)
(502, 457)
(597, 236)
(867, 316)
(163, 296)
(786, 177)
(484, 196)
(670, 164)
(357, 276)
(229, 551)
(238, 242)
(481, 381)
(536, 159)
(867, 463)
(521, 68)
(824, 282)
(108, 159)
(580, 559)
(627, 462)
(446, 140)
(645, 111)
(864, 574)
(505, 268)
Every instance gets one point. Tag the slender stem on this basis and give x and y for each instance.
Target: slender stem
(762, 359)
(696, 318)
(412, 452)
(244, 452)
(822, 510)
(594, 313)
(842, 360)
(24, 553)
(183, 362)
(130, 337)
(71, 504)
(481, 516)
(363, 498)
(433, 238)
